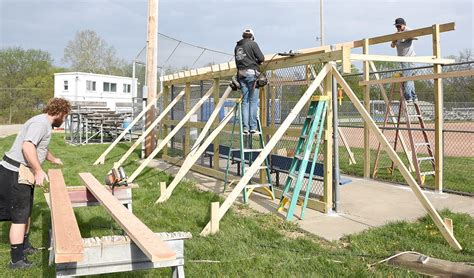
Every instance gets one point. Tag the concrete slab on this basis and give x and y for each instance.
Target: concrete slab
(364, 204)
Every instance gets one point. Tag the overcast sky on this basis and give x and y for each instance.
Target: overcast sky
(278, 25)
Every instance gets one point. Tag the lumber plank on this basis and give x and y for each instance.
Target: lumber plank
(410, 59)
(268, 148)
(433, 266)
(68, 244)
(400, 165)
(142, 236)
(449, 74)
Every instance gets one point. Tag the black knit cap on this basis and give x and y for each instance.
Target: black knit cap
(400, 21)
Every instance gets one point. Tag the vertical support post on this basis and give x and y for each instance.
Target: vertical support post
(328, 146)
(439, 118)
(273, 102)
(187, 129)
(214, 217)
(366, 69)
(264, 124)
(151, 73)
(165, 130)
(335, 126)
(216, 142)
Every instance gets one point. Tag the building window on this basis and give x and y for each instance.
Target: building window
(90, 85)
(66, 85)
(127, 88)
(110, 87)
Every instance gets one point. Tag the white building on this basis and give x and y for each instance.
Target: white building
(115, 92)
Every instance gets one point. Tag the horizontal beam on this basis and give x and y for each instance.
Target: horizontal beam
(272, 62)
(414, 59)
(449, 74)
(68, 245)
(147, 241)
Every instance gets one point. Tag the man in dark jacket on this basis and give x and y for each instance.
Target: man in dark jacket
(248, 57)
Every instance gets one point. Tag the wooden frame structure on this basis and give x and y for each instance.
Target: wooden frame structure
(150, 128)
(175, 130)
(101, 158)
(328, 55)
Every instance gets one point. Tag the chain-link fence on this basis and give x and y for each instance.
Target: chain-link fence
(458, 128)
(287, 85)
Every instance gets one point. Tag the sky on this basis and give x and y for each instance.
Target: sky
(278, 25)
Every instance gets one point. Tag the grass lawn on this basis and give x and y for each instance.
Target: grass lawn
(249, 244)
(458, 174)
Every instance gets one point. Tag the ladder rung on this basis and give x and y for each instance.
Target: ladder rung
(309, 116)
(299, 156)
(422, 144)
(414, 115)
(425, 158)
(251, 186)
(427, 173)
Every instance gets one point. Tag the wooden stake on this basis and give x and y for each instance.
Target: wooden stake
(439, 117)
(214, 217)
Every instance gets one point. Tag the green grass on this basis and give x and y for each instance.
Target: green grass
(249, 244)
(458, 174)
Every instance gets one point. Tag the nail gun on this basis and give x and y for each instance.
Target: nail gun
(116, 177)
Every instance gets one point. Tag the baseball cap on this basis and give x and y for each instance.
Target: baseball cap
(400, 21)
(249, 31)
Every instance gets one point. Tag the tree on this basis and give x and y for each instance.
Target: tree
(88, 52)
(26, 82)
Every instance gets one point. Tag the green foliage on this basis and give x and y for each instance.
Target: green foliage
(26, 83)
(88, 52)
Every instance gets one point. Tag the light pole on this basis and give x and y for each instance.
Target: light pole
(321, 22)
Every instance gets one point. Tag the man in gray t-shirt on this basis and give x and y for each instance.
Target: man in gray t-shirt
(405, 48)
(26, 155)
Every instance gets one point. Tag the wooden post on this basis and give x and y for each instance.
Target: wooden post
(151, 72)
(166, 101)
(214, 217)
(216, 142)
(328, 146)
(162, 188)
(263, 123)
(438, 100)
(367, 107)
(187, 129)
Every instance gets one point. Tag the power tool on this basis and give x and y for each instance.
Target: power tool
(116, 177)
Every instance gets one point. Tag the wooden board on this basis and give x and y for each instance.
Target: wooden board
(433, 267)
(449, 74)
(68, 244)
(398, 162)
(142, 236)
(406, 59)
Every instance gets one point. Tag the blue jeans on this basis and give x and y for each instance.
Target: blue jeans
(250, 99)
(409, 85)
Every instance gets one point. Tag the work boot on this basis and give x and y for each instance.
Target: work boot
(21, 264)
